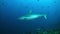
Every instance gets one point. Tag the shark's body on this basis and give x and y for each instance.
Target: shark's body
(32, 16)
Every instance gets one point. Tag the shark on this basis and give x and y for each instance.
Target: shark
(31, 16)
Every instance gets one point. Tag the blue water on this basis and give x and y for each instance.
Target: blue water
(12, 9)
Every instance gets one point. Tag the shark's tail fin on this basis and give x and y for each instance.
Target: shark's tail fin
(45, 16)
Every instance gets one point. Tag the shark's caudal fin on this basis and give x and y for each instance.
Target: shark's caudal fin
(45, 16)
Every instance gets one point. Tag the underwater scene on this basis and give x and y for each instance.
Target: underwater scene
(29, 16)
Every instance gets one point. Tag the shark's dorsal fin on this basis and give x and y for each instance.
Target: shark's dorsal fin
(30, 11)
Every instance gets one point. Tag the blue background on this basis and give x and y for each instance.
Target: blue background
(10, 10)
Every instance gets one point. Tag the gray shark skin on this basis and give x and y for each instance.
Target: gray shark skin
(32, 16)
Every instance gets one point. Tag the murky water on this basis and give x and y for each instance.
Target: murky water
(11, 10)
